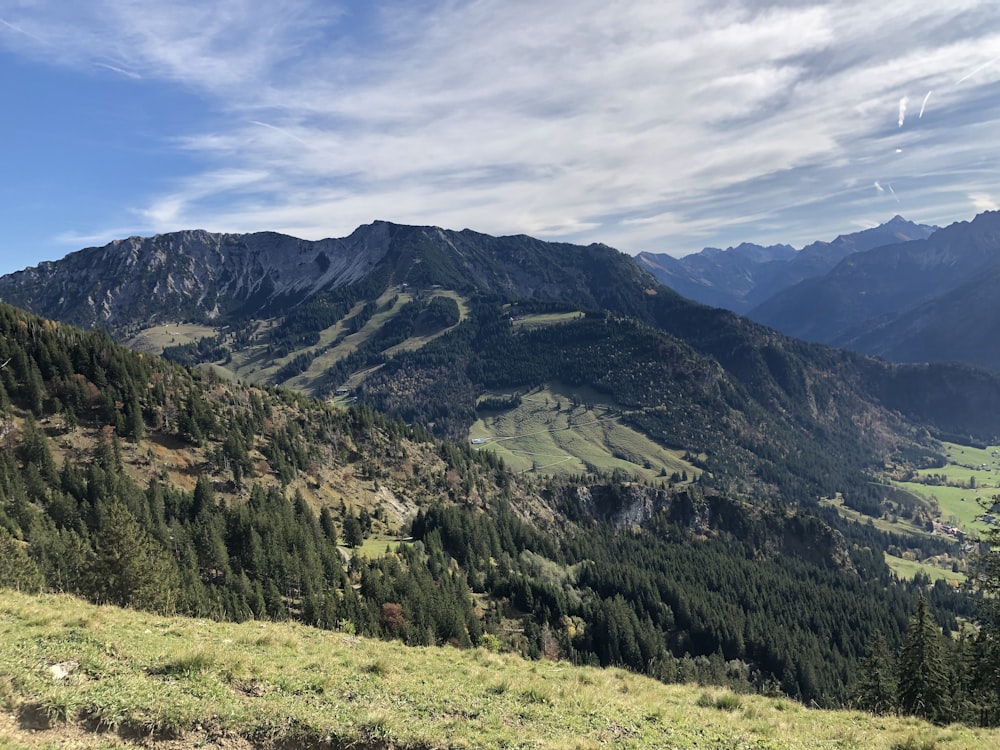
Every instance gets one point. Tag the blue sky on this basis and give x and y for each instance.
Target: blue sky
(664, 126)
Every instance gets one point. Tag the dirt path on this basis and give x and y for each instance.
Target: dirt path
(14, 734)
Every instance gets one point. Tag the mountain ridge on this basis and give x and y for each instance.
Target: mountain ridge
(745, 276)
(199, 275)
(856, 303)
(715, 380)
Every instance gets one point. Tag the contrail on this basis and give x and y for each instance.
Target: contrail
(984, 65)
(902, 110)
(889, 185)
(19, 30)
(924, 105)
(120, 71)
(279, 130)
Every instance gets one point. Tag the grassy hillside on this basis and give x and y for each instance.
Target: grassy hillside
(253, 358)
(958, 489)
(555, 430)
(905, 568)
(78, 675)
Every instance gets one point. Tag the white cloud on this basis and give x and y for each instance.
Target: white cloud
(644, 125)
(983, 202)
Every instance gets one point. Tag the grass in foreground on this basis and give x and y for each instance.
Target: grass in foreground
(267, 684)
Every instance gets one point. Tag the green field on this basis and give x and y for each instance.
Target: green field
(376, 545)
(83, 676)
(900, 526)
(154, 340)
(960, 506)
(909, 568)
(955, 506)
(528, 322)
(548, 434)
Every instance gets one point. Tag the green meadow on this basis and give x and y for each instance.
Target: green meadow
(976, 470)
(556, 431)
(540, 320)
(74, 674)
(909, 569)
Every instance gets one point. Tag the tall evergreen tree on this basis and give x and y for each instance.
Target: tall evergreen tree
(987, 647)
(353, 536)
(877, 685)
(130, 568)
(923, 675)
(17, 569)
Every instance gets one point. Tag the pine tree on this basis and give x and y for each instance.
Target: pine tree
(876, 691)
(352, 532)
(923, 676)
(17, 570)
(130, 568)
(986, 578)
(327, 525)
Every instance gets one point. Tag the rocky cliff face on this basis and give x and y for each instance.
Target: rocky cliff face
(201, 276)
(191, 275)
(773, 531)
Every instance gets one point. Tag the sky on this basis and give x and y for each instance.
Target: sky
(660, 126)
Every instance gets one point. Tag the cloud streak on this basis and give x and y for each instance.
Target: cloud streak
(648, 126)
(923, 105)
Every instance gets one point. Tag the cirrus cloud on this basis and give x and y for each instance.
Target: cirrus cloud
(645, 125)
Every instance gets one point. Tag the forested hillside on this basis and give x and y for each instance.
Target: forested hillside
(133, 481)
(423, 324)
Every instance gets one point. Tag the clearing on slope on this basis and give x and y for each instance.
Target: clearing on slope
(558, 430)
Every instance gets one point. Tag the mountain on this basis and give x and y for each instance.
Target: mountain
(454, 331)
(743, 277)
(925, 300)
(129, 479)
(721, 278)
(960, 325)
(221, 279)
(132, 481)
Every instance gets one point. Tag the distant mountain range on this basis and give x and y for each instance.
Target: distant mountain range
(907, 292)
(743, 277)
(931, 299)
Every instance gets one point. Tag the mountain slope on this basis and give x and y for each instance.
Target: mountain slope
(130, 680)
(856, 303)
(960, 325)
(721, 278)
(202, 277)
(129, 480)
(743, 277)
